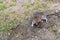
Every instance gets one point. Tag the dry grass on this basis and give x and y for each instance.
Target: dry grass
(11, 13)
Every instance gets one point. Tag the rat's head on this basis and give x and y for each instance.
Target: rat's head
(38, 18)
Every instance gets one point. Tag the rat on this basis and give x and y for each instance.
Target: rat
(38, 19)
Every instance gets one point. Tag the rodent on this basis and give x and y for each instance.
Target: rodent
(38, 18)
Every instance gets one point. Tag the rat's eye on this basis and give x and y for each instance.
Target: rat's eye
(44, 20)
(35, 25)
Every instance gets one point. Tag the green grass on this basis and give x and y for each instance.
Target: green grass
(29, 1)
(26, 5)
(6, 24)
(1, 1)
(6, 14)
(12, 12)
(14, 0)
(26, 13)
(1, 30)
(9, 25)
(12, 4)
(2, 7)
